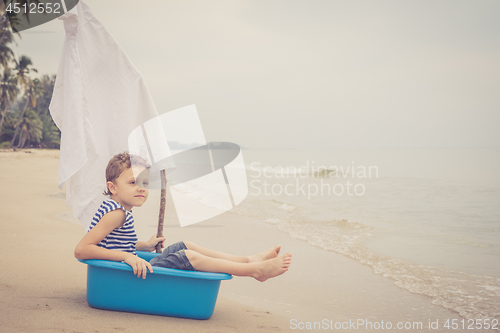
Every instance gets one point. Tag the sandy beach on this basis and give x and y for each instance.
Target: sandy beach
(43, 287)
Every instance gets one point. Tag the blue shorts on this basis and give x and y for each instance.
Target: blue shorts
(173, 257)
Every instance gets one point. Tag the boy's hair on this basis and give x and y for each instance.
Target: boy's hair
(118, 163)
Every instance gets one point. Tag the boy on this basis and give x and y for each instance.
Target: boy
(112, 236)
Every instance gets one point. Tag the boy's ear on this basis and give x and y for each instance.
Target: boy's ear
(111, 187)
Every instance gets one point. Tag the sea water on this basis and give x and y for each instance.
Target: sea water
(427, 218)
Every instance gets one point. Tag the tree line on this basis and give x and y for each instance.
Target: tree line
(24, 99)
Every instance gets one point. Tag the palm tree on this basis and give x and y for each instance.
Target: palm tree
(23, 68)
(51, 135)
(5, 28)
(21, 83)
(8, 93)
(31, 129)
(32, 90)
(6, 53)
(43, 101)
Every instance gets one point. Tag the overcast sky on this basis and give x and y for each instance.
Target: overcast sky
(309, 73)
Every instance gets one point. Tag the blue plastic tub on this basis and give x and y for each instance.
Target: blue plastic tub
(111, 285)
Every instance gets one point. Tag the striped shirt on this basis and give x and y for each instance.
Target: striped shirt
(123, 238)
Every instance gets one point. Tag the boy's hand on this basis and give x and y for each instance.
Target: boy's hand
(151, 243)
(139, 265)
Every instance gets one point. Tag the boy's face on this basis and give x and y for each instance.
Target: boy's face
(126, 190)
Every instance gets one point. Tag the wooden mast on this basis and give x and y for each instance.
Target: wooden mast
(162, 208)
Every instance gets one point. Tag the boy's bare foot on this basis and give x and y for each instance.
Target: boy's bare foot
(273, 267)
(266, 255)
